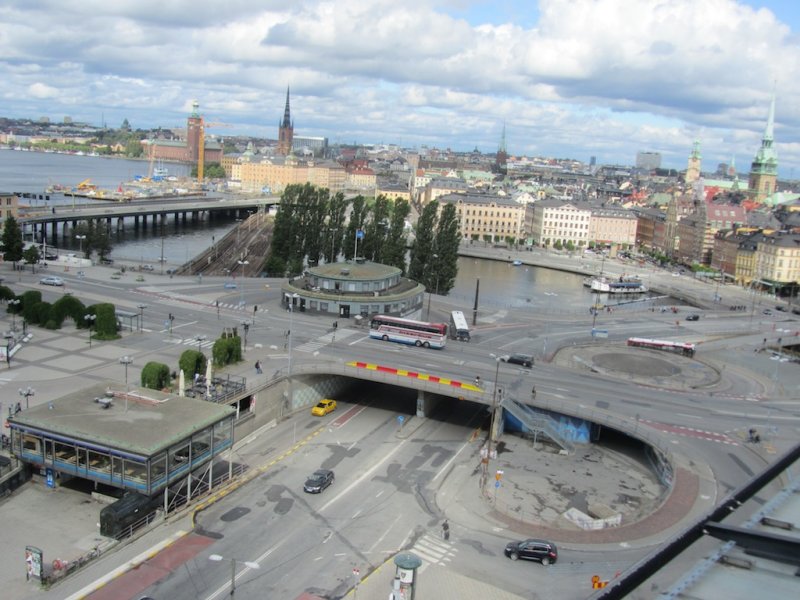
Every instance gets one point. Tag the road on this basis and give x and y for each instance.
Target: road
(388, 488)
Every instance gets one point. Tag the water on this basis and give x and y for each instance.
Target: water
(34, 172)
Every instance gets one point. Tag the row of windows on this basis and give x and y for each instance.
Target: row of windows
(569, 225)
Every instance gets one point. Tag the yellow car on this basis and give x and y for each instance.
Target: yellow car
(324, 407)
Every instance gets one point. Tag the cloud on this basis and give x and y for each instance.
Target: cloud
(568, 77)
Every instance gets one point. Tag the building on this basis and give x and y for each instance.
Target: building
(487, 217)
(361, 288)
(139, 440)
(693, 164)
(648, 161)
(303, 145)
(554, 220)
(612, 225)
(285, 130)
(442, 186)
(778, 263)
(696, 232)
(394, 191)
(186, 150)
(361, 178)
(764, 168)
(9, 206)
(276, 173)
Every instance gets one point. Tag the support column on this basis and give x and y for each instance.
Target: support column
(426, 402)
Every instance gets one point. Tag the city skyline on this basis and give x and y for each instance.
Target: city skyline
(567, 79)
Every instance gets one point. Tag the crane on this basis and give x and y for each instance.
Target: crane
(201, 148)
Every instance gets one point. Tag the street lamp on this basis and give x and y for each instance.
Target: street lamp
(126, 360)
(141, 316)
(199, 339)
(496, 397)
(15, 303)
(27, 392)
(436, 266)
(246, 327)
(246, 563)
(89, 320)
(242, 264)
(80, 239)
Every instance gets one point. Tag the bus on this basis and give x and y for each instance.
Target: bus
(684, 348)
(406, 331)
(459, 330)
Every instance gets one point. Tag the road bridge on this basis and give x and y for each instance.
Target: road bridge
(152, 210)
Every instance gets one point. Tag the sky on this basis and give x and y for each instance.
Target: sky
(565, 78)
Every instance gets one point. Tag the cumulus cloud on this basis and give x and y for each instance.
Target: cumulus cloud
(570, 78)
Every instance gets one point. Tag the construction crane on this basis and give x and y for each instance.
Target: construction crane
(201, 148)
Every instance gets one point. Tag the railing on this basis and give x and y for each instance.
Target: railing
(537, 422)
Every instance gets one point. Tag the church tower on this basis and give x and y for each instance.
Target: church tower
(764, 169)
(693, 166)
(285, 130)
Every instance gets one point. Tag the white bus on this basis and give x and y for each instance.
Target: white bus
(406, 331)
(459, 330)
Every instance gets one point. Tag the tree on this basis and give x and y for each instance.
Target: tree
(448, 237)
(358, 216)
(12, 241)
(423, 248)
(334, 232)
(394, 253)
(31, 257)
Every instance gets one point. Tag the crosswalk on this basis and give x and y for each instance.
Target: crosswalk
(333, 337)
(190, 342)
(433, 550)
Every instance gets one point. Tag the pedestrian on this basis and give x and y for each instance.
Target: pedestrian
(446, 530)
(258, 367)
(533, 393)
(478, 380)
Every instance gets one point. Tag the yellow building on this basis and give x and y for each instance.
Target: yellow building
(778, 260)
(9, 206)
(487, 217)
(613, 226)
(278, 173)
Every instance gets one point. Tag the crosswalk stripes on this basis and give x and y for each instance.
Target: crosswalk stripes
(323, 340)
(189, 342)
(432, 549)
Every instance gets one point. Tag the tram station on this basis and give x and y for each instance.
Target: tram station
(139, 440)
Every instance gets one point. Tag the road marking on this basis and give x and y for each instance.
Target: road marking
(366, 337)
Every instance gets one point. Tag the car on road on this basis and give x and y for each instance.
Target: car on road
(148, 268)
(318, 481)
(766, 311)
(540, 550)
(51, 280)
(323, 407)
(693, 317)
(780, 307)
(526, 360)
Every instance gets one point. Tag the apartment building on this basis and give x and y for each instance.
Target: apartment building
(778, 260)
(613, 226)
(487, 216)
(277, 173)
(554, 220)
(9, 206)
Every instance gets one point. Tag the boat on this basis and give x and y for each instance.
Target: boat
(623, 285)
(517, 263)
(160, 172)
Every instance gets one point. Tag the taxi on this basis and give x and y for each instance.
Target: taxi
(323, 407)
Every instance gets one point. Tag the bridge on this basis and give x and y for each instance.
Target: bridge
(152, 211)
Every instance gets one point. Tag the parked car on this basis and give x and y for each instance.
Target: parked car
(106, 261)
(693, 317)
(323, 407)
(51, 280)
(780, 307)
(767, 311)
(526, 360)
(542, 550)
(148, 268)
(318, 481)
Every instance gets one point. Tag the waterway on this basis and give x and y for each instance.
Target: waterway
(34, 172)
(502, 285)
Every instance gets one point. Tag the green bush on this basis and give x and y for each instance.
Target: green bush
(70, 306)
(227, 350)
(105, 325)
(155, 376)
(192, 362)
(6, 293)
(28, 307)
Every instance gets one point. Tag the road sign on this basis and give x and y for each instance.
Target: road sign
(400, 419)
(497, 484)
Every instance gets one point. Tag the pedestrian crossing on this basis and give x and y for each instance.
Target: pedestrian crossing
(332, 337)
(205, 344)
(434, 550)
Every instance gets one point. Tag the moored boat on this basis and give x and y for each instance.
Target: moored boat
(623, 285)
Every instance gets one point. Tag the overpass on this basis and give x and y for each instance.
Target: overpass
(152, 211)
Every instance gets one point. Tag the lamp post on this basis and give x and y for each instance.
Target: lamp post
(199, 339)
(246, 563)
(27, 393)
(89, 320)
(15, 303)
(141, 315)
(246, 327)
(242, 264)
(496, 394)
(436, 266)
(80, 239)
(126, 360)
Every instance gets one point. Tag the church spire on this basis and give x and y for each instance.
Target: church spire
(764, 168)
(287, 120)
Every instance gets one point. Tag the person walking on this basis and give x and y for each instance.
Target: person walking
(258, 367)
(446, 530)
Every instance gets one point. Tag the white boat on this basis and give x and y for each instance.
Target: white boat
(517, 263)
(160, 172)
(623, 285)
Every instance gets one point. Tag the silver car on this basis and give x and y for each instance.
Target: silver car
(50, 280)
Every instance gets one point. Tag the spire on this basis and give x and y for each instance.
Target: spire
(770, 120)
(503, 139)
(287, 120)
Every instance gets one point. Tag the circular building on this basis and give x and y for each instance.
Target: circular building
(359, 288)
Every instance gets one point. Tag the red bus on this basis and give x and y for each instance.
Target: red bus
(678, 347)
(407, 331)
